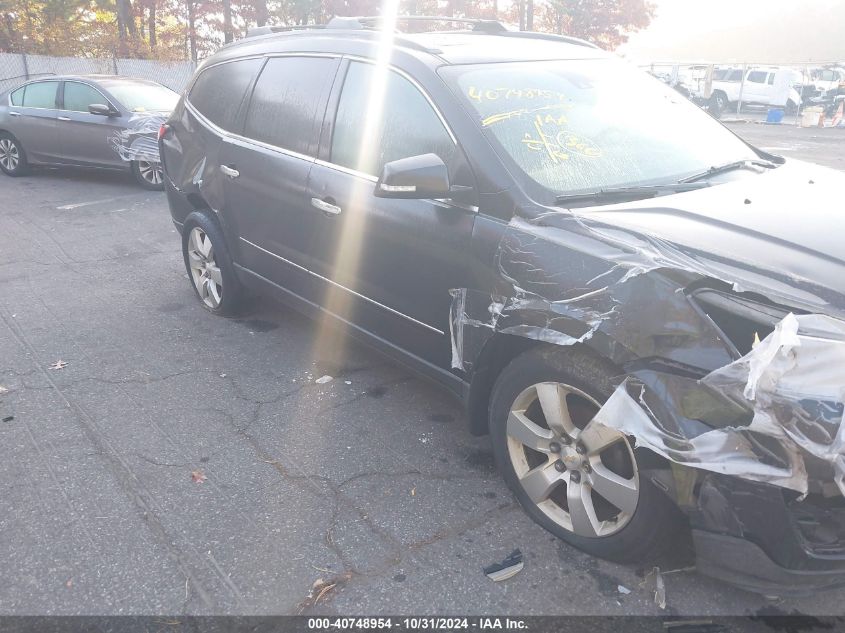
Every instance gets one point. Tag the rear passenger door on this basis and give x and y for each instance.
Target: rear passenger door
(266, 168)
(34, 122)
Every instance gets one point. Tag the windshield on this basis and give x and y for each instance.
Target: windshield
(577, 126)
(138, 96)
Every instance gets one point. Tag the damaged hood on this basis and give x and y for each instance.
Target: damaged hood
(786, 220)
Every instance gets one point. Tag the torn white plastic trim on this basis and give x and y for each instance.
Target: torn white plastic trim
(803, 359)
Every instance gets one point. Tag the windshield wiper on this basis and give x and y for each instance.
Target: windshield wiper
(626, 194)
(737, 164)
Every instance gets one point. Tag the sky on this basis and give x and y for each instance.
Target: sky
(773, 31)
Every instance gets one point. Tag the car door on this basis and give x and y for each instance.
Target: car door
(387, 265)
(267, 165)
(35, 121)
(85, 138)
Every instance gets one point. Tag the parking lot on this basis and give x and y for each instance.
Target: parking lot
(157, 459)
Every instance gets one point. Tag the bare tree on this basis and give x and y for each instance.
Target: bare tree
(151, 24)
(192, 29)
(228, 35)
(261, 12)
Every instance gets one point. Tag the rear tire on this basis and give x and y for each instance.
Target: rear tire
(12, 156)
(634, 522)
(148, 174)
(209, 265)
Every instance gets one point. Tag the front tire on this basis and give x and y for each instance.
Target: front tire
(718, 104)
(209, 265)
(12, 157)
(579, 481)
(148, 174)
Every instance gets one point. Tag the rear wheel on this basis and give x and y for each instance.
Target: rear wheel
(579, 480)
(209, 264)
(12, 156)
(148, 174)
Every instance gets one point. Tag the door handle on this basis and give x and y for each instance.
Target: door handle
(229, 171)
(14, 113)
(325, 207)
(64, 118)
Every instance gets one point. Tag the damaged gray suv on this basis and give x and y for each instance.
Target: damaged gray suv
(645, 313)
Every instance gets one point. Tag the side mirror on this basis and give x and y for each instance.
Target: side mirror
(423, 176)
(101, 109)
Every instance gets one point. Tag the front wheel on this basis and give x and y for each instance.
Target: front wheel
(12, 156)
(577, 479)
(148, 174)
(718, 104)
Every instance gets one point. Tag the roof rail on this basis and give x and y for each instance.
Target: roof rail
(554, 37)
(369, 22)
(372, 23)
(266, 30)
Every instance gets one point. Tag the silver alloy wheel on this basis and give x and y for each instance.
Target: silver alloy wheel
(583, 476)
(205, 273)
(9, 154)
(151, 172)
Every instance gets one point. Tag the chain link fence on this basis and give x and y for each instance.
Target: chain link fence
(17, 68)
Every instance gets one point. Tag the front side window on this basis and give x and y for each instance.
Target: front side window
(285, 106)
(367, 135)
(40, 95)
(78, 97)
(735, 75)
(559, 123)
(218, 91)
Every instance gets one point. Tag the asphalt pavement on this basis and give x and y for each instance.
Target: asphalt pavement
(155, 459)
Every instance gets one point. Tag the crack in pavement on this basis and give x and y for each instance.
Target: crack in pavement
(138, 494)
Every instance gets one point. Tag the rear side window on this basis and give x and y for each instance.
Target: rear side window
(218, 91)
(17, 97)
(757, 76)
(78, 97)
(284, 110)
(407, 124)
(40, 95)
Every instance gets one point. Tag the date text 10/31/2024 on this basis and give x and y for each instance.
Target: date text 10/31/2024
(417, 624)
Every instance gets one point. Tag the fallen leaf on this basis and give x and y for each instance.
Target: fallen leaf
(197, 476)
(59, 364)
(413, 491)
(3, 390)
(322, 380)
(69, 583)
